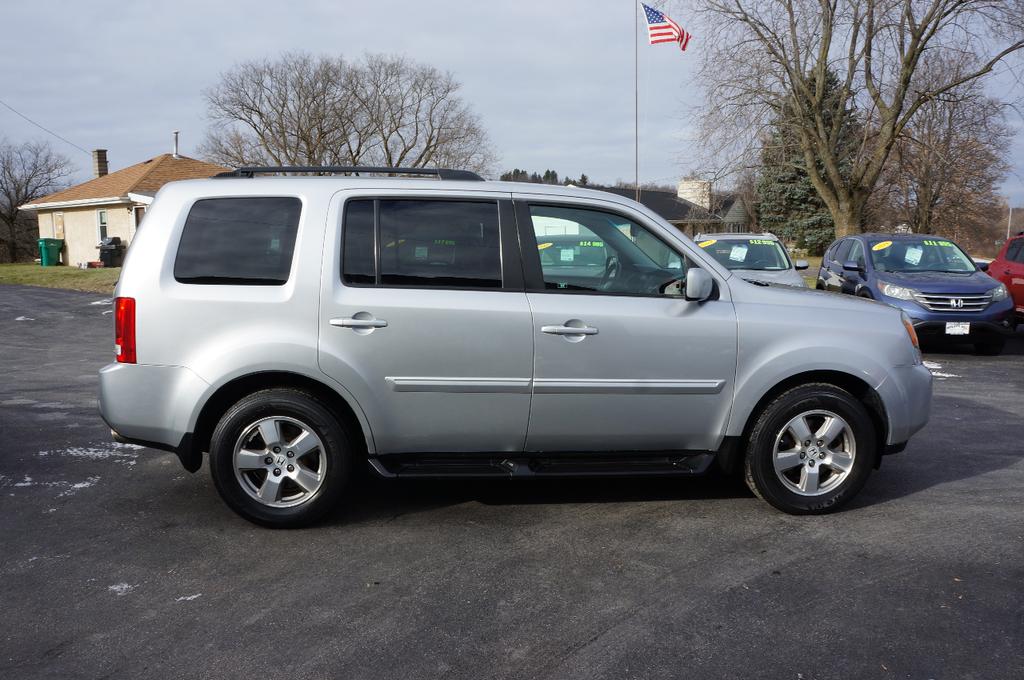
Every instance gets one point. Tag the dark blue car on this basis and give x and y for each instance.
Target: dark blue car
(928, 277)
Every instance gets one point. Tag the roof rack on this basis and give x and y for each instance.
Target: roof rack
(440, 173)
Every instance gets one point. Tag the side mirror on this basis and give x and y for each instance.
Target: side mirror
(852, 266)
(801, 264)
(699, 285)
(983, 266)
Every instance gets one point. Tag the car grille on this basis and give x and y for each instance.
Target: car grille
(953, 303)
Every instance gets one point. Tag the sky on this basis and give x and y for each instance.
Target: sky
(552, 81)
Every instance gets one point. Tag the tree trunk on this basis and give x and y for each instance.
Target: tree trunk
(848, 218)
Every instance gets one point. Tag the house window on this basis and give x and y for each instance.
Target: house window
(101, 224)
(58, 225)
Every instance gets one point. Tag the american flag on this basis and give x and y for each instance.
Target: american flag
(661, 29)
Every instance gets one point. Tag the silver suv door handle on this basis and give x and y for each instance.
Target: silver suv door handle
(568, 330)
(359, 323)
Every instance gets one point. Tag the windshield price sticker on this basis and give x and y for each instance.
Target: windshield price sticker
(591, 244)
(761, 242)
(881, 245)
(913, 255)
(738, 253)
(944, 244)
(542, 246)
(705, 244)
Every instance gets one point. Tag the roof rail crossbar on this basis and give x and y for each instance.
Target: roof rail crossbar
(440, 173)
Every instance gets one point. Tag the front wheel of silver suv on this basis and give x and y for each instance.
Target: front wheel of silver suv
(280, 458)
(811, 449)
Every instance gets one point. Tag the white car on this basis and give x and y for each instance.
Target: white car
(754, 257)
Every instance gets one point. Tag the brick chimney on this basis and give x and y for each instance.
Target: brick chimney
(99, 162)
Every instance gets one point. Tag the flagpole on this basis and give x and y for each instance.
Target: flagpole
(636, 98)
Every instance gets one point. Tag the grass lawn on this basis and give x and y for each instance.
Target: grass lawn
(811, 273)
(88, 280)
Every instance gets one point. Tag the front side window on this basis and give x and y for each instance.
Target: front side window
(592, 251)
(754, 253)
(919, 255)
(1015, 252)
(240, 241)
(421, 243)
(857, 253)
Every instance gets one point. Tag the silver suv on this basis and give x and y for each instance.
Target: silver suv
(295, 327)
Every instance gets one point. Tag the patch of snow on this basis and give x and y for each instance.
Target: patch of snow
(932, 365)
(74, 488)
(108, 311)
(944, 375)
(187, 598)
(121, 588)
(105, 301)
(25, 482)
(24, 318)
(116, 451)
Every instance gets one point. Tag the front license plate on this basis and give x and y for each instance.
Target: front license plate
(958, 328)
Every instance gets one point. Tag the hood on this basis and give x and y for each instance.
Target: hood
(786, 277)
(966, 283)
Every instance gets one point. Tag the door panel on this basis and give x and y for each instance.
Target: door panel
(620, 366)
(435, 369)
(657, 375)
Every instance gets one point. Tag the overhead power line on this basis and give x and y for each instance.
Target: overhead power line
(44, 129)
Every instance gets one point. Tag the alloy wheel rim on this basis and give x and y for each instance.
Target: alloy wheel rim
(814, 453)
(279, 462)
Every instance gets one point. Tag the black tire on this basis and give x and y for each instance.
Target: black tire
(990, 348)
(759, 465)
(288, 403)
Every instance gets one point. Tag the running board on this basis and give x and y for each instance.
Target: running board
(599, 464)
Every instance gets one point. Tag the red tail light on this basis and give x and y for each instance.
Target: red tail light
(124, 329)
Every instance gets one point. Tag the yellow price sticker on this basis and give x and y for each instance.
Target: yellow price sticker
(881, 245)
(705, 244)
(542, 246)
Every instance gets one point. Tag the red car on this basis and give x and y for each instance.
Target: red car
(1008, 267)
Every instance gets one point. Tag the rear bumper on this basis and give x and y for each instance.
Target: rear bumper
(907, 397)
(151, 406)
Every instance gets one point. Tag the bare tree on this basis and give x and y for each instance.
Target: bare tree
(762, 56)
(945, 168)
(28, 171)
(305, 110)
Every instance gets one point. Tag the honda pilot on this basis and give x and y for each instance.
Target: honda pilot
(296, 328)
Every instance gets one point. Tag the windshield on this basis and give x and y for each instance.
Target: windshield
(761, 254)
(919, 255)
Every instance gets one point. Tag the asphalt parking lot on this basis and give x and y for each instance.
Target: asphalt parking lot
(118, 563)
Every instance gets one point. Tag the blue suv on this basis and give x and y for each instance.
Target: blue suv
(930, 278)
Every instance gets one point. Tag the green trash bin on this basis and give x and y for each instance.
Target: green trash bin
(49, 251)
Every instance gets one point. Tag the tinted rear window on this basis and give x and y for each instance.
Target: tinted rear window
(358, 264)
(246, 241)
(436, 243)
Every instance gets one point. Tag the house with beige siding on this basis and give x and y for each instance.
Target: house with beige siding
(110, 204)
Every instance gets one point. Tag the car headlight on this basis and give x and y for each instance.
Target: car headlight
(898, 292)
(999, 293)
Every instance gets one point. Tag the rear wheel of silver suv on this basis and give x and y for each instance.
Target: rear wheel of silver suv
(811, 449)
(280, 458)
